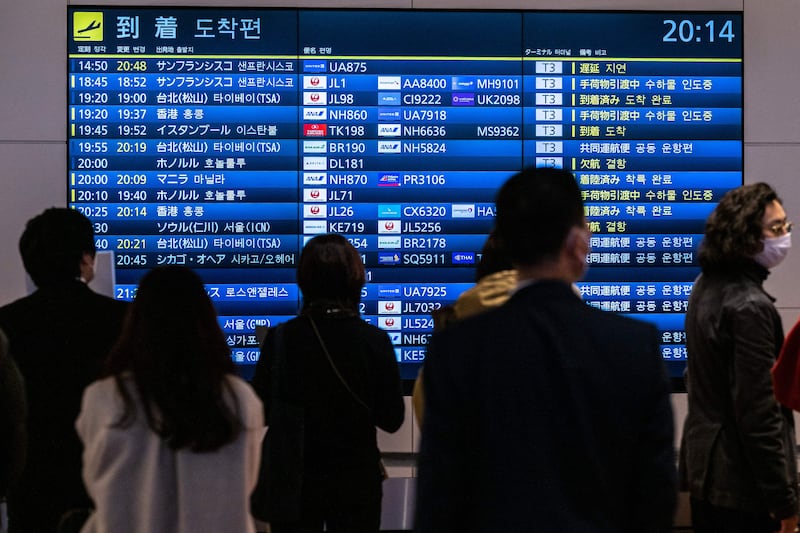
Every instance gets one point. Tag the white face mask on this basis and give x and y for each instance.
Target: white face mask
(775, 250)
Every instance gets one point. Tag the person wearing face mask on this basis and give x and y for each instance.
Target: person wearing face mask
(738, 451)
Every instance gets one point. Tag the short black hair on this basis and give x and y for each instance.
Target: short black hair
(536, 208)
(733, 229)
(330, 271)
(53, 244)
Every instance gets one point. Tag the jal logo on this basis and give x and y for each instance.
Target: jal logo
(389, 307)
(389, 322)
(389, 226)
(314, 194)
(315, 82)
(314, 97)
(315, 210)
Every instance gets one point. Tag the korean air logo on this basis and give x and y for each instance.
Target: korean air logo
(388, 98)
(388, 130)
(388, 226)
(389, 322)
(314, 227)
(388, 210)
(463, 258)
(388, 83)
(389, 180)
(388, 114)
(388, 307)
(314, 210)
(388, 258)
(315, 178)
(461, 83)
(315, 114)
(463, 211)
(315, 147)
(314, 195)
(315, 98)
(387, 147)
(315, 82)
(389, 242)
(315, 66)
(315, 163)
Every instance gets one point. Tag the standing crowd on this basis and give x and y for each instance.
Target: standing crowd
(541, 413)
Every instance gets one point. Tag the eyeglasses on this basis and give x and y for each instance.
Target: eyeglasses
(780, 228)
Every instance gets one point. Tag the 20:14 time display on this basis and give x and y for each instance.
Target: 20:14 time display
(686, 31)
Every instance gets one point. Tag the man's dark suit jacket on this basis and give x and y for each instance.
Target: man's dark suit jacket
(546, 415)
(59, 337)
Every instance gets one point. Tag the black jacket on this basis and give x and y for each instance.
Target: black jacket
(738, 444)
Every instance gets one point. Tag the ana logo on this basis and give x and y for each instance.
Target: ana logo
(385, 147)
(315, 178)
(388, 130)
(87, 26)
(315, 114)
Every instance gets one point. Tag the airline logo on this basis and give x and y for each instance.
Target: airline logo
(315, 147)
(88, 26)
(388, 147)
(315, 98)
(315, 114)
(463, 258)
(315, 163)
(388, 258)
(395, 336)
(315, 65)
(389, 180)
(391, 323)
(388, 114)
(315, 227)
(314, 195)
(463, 211)
(389, 291)
(388, 130)
(315, 130)
(315, 178)
(463, 99)
(388, 83)
(389, 242)
(388, 98)
(388, 307)
(315, 82)
(388, 210)
(462, 83)
(389, 226)
(314, 211)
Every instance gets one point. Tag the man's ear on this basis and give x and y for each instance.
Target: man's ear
(87, 266)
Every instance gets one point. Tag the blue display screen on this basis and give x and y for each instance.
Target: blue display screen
(223, 139)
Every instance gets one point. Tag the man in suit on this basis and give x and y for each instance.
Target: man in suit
(59, 337)
(545, 414)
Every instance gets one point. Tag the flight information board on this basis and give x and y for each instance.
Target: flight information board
(223, 139)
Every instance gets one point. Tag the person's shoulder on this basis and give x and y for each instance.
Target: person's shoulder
(14, 308)
(247, 400)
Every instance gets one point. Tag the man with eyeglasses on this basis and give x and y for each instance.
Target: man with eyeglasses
(738, 452)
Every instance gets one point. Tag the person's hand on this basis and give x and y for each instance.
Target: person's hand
(788, 525)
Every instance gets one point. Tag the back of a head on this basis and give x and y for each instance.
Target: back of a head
(330, 271)
(733, 229)
(53, 244)
(493, 259)
(177, 354)
(536, 209)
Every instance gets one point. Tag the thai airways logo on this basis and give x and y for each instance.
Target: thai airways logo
(315, 65)
(314, 211)
(315, 178)
(315, 130)
(87, 26)
(463, 258)
(315, 98)
(315, 147)
(389, 242)
(315, 82)
(389, 322)
(388, 83)
(389, 307)
(388, 114)
(463, 99)
(315, 163)
(463, 211)
(388, 258)
(462, 83)
(388, 147)
(314, 195)
(389, 180)
(388, 226)
(388, 98)
(388, 130)
(314, 227)
(315, 114)
(388, 210)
